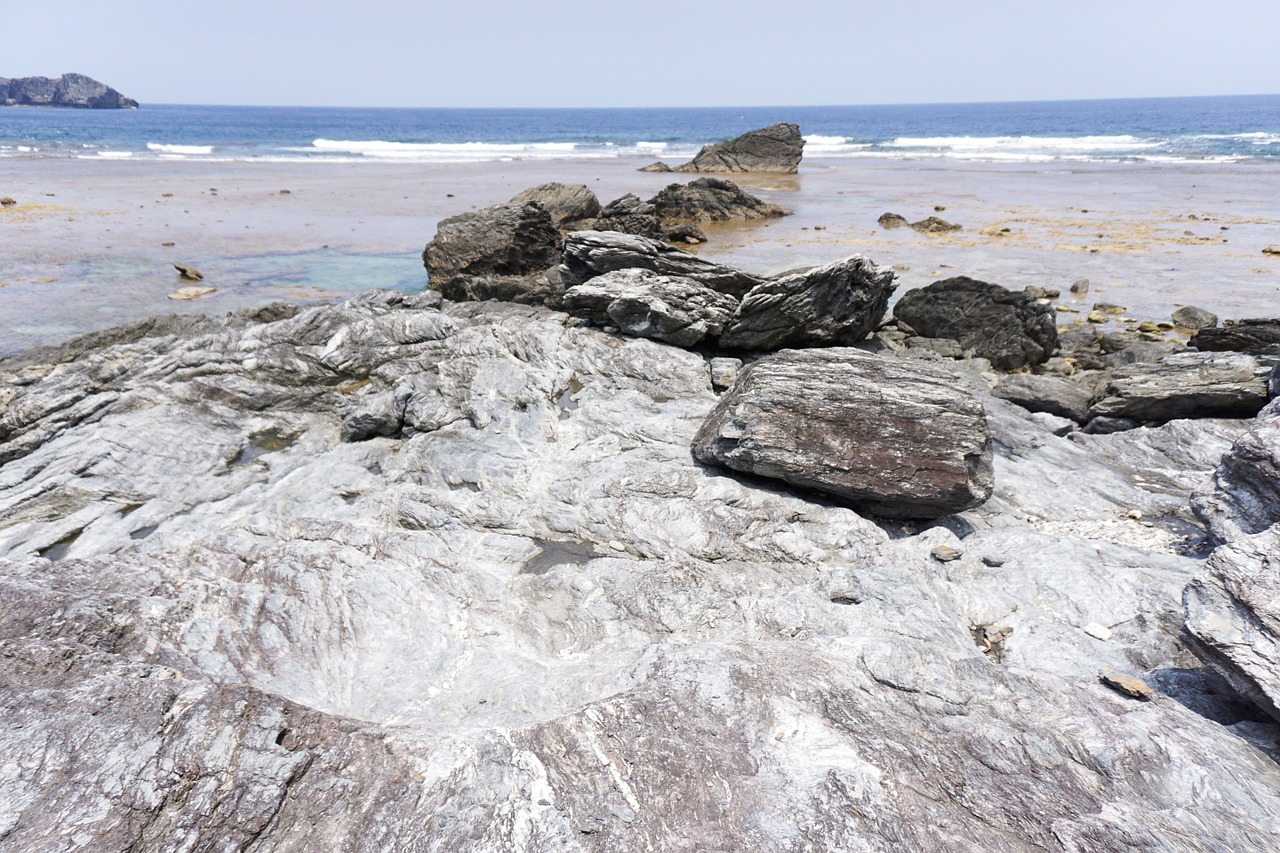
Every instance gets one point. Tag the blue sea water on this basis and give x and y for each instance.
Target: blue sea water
(1158, 129)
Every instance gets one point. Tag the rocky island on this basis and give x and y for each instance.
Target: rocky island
(69, 90)
(600, 545)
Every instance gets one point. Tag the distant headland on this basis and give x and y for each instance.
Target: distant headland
(69, 90)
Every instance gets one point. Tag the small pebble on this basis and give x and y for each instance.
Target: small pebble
(1100, 632)
(945, 553)
(1126, 684)
(994, 560)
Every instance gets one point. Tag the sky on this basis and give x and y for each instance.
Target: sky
(565, 53)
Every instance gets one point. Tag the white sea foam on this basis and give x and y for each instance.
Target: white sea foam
(1047, 144)
(448, 151)
(651, 146)
(115, 155)
(815, 139)
(180, 149)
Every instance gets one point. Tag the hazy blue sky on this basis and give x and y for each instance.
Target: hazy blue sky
(707, 52)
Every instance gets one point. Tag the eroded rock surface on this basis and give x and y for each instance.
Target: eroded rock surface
(1186, 385)
(69, 90)
(710, 200)
(1256, 336)
(565, 203)
(1244, 495)
(519, 616)
(515, 239)
(645, 304)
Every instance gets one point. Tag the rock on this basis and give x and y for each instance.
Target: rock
(1191, 317)
(1233, 616)
(625, 215)
(776, 148)
(1243, 496)
(691, 234)
(835, 305)
(69, 90)
(1080, 286)
(1254, 336)
(656, 167)
(934, 225)
(710, 200)
(519, 610)
(942, 347)
(1109, 308)
(1126, 684)
(1053, 394)
(1008, 328)
(1098, 632)
(564, 202)
(892, 220)
(591, 253)
(512, 239)
(186, 293)
(995, 561)
(539, 288)
(7, 202)
(724, 372)
(898, 439)
(645, 304)
(1271, 250)
(946, 554)
(1186, 385)
(188, 273)
(1104, 425)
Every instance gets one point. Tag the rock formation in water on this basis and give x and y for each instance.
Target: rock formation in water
(69, 90)
(776, 148)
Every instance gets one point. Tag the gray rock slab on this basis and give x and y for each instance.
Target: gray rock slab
(1056, 395)
(1185, 384)
(564, 202)
(512, 239)
(896, 438)
(710, 200)
(1260, 336)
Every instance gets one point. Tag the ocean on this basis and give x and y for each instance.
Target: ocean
(1226, 129)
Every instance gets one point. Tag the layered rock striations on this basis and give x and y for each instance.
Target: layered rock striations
(518, 614)
(777, 148)
(69, 90)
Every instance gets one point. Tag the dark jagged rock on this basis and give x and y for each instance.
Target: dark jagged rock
(644, 304)
(1244, 495)
(566, 203)
(776, 148)
(69, 90)
(1233, 616)
(899, 439)
(513, 239)
(892, 220)
(1006, 327)
(1186, 385)
(934, 225)
(710, 200)
(835, 305)
(1254, 336)
(1056, 395)
(625, 215)
(656, 167)
(591, 253)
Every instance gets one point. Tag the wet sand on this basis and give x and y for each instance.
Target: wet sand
(91, 243)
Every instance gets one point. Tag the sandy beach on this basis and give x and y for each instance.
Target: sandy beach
(90, 243)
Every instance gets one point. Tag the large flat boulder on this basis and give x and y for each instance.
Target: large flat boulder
(896, 438)
(835, 305)
(1255, 336)
(645, 304)
(1009, 328)
(588, 254)
(1244, 495)
(710, 200)
(512, 239)
(1186, 385)
(776, 148)
(1233, 616)
(564, 202)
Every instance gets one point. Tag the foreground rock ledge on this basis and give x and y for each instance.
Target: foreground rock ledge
(899, 440)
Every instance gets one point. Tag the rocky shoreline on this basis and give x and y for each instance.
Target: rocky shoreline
(648, 553)
(69, 90)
